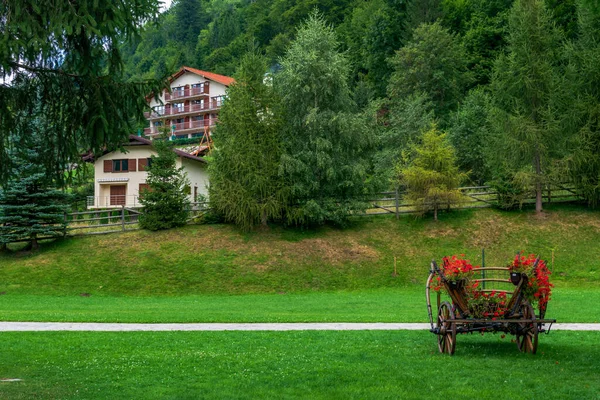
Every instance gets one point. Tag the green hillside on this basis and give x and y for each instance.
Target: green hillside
(218, 259)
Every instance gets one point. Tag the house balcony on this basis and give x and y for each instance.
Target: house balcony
(182, 127)
(186, 110)
(188, 93)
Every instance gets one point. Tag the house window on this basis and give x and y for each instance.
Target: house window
(120, 165)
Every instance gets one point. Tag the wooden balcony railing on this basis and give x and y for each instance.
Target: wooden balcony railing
(190, 108)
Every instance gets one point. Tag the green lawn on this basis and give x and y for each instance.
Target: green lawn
(326, 365)
(383, 305)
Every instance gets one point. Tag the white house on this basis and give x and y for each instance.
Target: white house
(191, 108)
(119, 177)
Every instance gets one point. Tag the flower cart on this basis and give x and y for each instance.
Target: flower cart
(474, 307)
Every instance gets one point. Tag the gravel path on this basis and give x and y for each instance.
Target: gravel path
(332, 326)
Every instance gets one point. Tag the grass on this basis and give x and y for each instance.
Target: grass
(218, 259)
(320, 365)
(382, 305)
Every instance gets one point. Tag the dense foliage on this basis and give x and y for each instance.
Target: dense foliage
(30, 206)
(245, 186)
(61, 64)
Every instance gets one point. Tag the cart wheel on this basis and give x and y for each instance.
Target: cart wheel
(446, 328)
(527, 332)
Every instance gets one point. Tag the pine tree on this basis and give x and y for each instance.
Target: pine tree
(326, 141)
(245, 185)
(65, 63)
(525, 86)
(166, 203)
(30, 206)
(431, 176)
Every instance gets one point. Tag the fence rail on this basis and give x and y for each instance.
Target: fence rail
(472, 197)
(125, 218)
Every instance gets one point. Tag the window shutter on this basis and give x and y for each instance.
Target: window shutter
(132, 163)
(108, 166)
(142, 163)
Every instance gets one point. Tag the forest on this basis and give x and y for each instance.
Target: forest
(497, 92)
(334, 99)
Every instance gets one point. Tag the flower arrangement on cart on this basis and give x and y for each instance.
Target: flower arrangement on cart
(474, 307)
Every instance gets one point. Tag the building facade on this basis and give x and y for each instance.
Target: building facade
(192, 107)
(120, 177)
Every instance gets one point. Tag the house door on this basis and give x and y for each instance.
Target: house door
(117, 195)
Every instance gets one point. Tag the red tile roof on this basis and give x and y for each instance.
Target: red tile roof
(222, 79)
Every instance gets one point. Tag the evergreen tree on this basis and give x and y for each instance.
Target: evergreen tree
(407, 119)
(68, 52)
(431, 176)
(583, 110)
(469, 132)
(525, 86)
(166, 203)
(30, 206)
(434, 63)
(326, 142)
(245, 185)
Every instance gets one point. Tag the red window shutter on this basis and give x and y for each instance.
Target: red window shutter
(142, 163)
(132, 163)
(108, 164)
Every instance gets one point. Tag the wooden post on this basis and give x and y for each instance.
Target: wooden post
(123, 216)
(395, 270)
(483, 266)
(397, 212)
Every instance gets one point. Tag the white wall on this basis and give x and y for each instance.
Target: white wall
(195, 170)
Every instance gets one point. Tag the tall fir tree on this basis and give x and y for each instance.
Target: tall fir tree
(166, 204)
(326, 142)
(31, 207)
(245, 185)
(525, 85)
(583, 163)
(67, 55)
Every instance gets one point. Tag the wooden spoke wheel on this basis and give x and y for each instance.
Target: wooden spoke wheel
(446, 328)
(527, 332)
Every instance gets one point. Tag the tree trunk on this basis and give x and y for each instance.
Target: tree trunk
(435, 210)
(538, 183)
(263, 218)
(34, 243)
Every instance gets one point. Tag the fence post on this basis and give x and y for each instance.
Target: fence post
(123, 216)
(397, 204)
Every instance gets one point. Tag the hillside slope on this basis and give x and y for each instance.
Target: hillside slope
(218, 259)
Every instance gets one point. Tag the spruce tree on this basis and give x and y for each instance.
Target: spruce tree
(30, 206)
(525, 86)
(65, 65)
(245, 186)
(326, 141)
(166, 205)
(431, 176)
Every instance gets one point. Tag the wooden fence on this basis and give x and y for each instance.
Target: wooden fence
(472, 197)
(121, 219)
(116, 219)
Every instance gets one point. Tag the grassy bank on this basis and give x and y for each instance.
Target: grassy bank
(218, 259)
(328, 365)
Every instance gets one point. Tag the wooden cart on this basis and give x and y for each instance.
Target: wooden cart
(454, 317)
